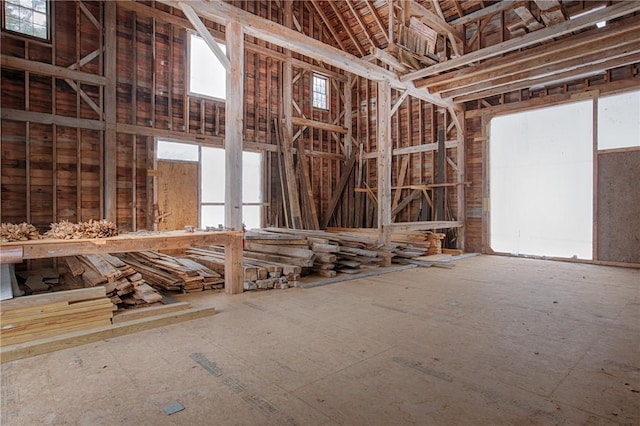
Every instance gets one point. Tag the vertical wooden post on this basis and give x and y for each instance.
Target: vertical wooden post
(440, 176)
(460, 189)
(234, 127)
(110, 105)
(384, 161)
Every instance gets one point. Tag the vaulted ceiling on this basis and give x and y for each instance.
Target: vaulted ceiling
(483, 48)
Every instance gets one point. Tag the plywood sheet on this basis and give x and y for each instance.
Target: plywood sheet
(177, 194)
(618, 206)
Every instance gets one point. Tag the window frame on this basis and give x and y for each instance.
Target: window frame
(48, 13)
(325, 78)
(190, 92)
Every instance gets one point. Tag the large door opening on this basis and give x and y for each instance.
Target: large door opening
(541, 182)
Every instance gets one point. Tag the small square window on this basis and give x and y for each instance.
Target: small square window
(29, 17)
(320, 90)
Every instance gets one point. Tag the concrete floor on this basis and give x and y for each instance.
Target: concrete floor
(493, 341)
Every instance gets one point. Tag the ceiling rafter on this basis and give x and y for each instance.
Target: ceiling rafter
(272, 32)
(347, 28)
(327, 23)
(546, 34)
(356, 15)
(378, 19)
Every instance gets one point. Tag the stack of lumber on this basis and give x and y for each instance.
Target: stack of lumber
(173, 273)
(124, 285)
(430, 241)
(258, 274)
(20, 232)
(40, 280)
(66, 230)
(29, 318)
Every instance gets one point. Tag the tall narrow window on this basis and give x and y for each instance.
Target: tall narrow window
(320, 91)
(207, 75)
(28, 17)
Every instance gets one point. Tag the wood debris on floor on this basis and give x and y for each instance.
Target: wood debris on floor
(34, 317)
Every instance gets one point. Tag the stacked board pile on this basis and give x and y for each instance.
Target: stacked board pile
(258, 274)
(277, 257)
(354, 252)
(45, 315)
(171, 273)
(430, 241)
(124, 285)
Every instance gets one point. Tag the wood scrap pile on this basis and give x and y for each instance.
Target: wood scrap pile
(258, 274)
(66, 230)
(35, 317)
(166, 272)
(430, 241)
(124, 285)
(18, 232)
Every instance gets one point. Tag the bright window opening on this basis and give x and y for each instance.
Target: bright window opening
(177, 151)
(27, 17)
(207, 76)
(541, 182)
(320, 91)
(213, 187)
(619, 121)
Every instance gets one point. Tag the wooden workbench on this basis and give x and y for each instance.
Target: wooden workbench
(16, 252)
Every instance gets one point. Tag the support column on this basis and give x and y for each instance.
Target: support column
(384, 161)
(110, 107)
(460, 189)
(234, 127)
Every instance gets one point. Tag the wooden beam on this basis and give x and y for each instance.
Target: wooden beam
(405, 202)
(559, 77)
(50, 70)
(234, 125)
(110, 108)
(486, 11)
(537, 57)
(44, 118)
(401, 178)
(384, 143)
(388, 59)
(287, 38)
(424, 226)
(461, 207)
(192, 16)
(611, 12)
(301, 121)
(428, 147)
(435, 21)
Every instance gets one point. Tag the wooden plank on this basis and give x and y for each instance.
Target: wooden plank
(42, 249)
(301, 121)
(424, 226)
(41, 346)
(57, 297)
(45, 118)
(282, 249)
(151, 311)
(42, 68)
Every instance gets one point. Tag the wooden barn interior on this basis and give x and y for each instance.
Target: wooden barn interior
(439, 195)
